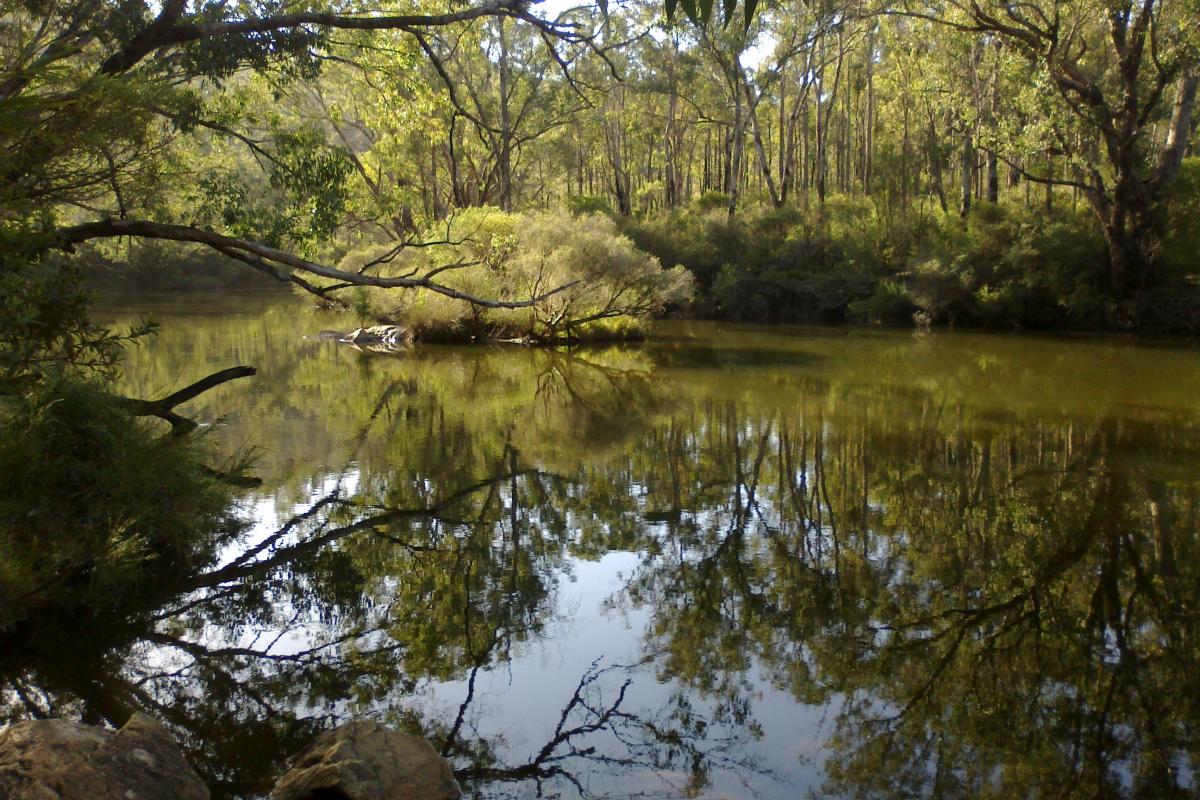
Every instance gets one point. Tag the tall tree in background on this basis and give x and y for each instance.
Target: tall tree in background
(1101, 73)
(96, 96)
(286, 135)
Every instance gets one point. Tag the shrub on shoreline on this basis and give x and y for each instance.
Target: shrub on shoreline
(853, 260)
(96, 505)
(593, 282)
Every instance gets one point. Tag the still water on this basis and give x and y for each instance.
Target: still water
(731, 562)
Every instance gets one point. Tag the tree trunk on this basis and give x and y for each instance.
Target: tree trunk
(1130, 235)
(805, 152)
(736, 142)
(968, 174)
(506, 133)
(823, 123)
(673, 140)
(935, 166)
(760, 149)
(783, 134)
(869, 124)
(1180, 128)
(993, 177)
(614, 136)
(993, 165)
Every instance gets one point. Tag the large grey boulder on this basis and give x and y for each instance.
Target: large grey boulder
(367, 761)
(56, 759)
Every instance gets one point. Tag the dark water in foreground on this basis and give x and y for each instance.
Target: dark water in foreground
(732, 562)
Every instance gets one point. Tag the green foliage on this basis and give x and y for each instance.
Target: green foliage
(854, 260)
(95, 506)
(648, 197)
(292, 52)
(301, 200)
(586, 204)
(1182, 242)
(1009, 268)
(312, 177)
(1175, 302)
(711, 200)
(44, 323)
(888, 304)
(608, 287)
(42, 317)
(298, 139)
(784, 265)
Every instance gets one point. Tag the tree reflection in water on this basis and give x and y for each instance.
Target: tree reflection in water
(991, 601)
(1003, 613)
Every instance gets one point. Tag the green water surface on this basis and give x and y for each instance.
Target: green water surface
(732, 561)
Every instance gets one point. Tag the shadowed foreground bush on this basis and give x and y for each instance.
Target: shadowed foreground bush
(96, 506)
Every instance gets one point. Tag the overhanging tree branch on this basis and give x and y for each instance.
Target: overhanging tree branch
(248, 251)
(170, 29)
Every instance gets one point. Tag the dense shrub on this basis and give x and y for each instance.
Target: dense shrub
(583, 205)
(888, 304)
(780, 265)
(613, 287)
(853, 259)
(1181, 245)
(1009, 268)
(1174, 303)
(711, 200)
(95, 506)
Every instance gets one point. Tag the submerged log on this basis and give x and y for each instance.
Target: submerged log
(165, 408)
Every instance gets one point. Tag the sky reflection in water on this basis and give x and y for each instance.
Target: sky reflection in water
(732, 562)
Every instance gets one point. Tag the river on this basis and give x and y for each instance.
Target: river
(730, 562)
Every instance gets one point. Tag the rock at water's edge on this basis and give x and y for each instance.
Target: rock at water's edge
(378, 334)
(56, 759)
(367, 761)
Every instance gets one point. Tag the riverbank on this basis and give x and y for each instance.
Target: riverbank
(853, 261)
(67, 760)
(599, 277)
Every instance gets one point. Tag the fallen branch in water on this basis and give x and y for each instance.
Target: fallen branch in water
(165, 408)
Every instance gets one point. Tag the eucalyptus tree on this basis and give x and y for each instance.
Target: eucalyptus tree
(97, 95)
(1095, 82)
(672, 68)
(725, 48)
(796, 69)
(377, 107)
(508, 89)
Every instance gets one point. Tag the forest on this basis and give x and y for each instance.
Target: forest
(998, 164)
